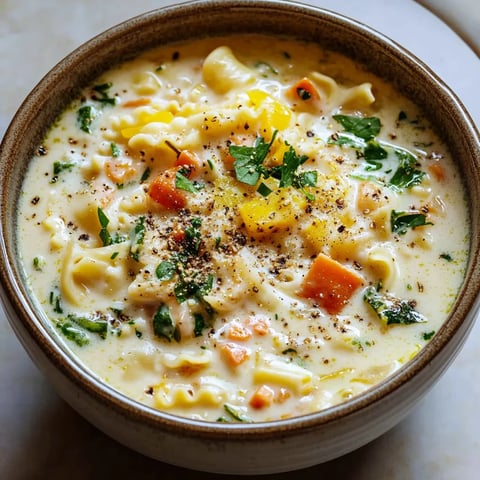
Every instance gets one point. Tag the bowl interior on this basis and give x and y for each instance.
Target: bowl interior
(198, 19)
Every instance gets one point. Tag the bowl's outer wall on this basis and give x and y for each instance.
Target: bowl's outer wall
(246, 448)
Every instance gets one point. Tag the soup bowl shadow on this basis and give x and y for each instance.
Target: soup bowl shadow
(256, 448)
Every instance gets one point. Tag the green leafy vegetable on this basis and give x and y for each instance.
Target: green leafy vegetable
(115, 150)
(265, 67)
(96, 324)
(39, 263)
(381, 158)
(137, 238)
(249, 167)
(446, 256)
(85, 117)
(366, 128)
(233, 415)
(163, 325)
(104, 234)
(199, 324)
(73, 333)
(428, 335)
(145, 175)
(56, 302)
(59, 167)
(392, 310)
(182, 182)
(248, 162)
(401, 221)
(165, 270)
(104, 97)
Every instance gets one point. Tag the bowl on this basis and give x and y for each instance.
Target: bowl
(250, 448)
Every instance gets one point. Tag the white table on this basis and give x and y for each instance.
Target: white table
(42, 437)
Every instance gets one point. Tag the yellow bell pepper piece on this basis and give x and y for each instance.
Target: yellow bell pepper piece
(264, 216)
(274, 115)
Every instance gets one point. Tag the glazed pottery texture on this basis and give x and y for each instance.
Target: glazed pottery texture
(236, 448)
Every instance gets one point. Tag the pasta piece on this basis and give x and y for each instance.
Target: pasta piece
(94, 274)
(210, 393)
(276, 371)
(223, 72)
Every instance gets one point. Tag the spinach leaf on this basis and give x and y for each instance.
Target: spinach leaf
(73, 333)
(85, 117)
(137, 238)
(401, 221)
(104, 234)
(182, 182)
(163, 325)
(392, 310)
(366, 128)
(91, 324)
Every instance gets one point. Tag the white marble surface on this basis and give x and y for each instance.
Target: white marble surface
(42, 437)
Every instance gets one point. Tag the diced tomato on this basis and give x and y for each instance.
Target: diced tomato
(330, 283)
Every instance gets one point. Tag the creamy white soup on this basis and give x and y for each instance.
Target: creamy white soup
(243, 229)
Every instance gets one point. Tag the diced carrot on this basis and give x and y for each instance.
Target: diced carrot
(137, 102)
(437, 170)
(330, 283)
(234, 354)
(186, 158)
(235, 331)
(305, 90)
(262, 397)
(163, 190)
(259, 325)
(119, 169)
(178, 234)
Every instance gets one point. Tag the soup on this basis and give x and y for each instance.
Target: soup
(243, 229)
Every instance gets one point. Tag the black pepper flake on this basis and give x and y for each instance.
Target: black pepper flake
(35, 200)
(175, 55)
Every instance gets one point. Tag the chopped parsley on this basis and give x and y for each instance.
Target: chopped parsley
(249, 167)
(428, 335)
(95, 324)
(184, 183)
(115, 150)
(39, 263)
(73, 333)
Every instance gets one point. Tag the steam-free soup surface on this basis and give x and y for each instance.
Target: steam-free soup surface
(243, 229)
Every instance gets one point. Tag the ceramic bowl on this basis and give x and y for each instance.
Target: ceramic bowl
(236, 448)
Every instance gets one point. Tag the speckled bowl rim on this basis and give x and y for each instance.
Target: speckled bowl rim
(459, 322)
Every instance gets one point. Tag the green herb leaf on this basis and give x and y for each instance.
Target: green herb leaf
(406, 175)
(291, 162)
(264, 190)
(165, 270)
(182, 182)
(104, 233)
(59, 167)
(163, 325)
(401, 221)
(73, 333)
(236, 414)
(39, 263)
(137, 238)
(366, 128)
(428, 335)
(115, 150)
(102, 90)
(95, 325)
(145, 175)
(248, 164)
(392, 310)
(199, 324)
(265, 68)
(85, 117)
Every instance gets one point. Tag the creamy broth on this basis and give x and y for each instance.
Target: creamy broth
(243, 229)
